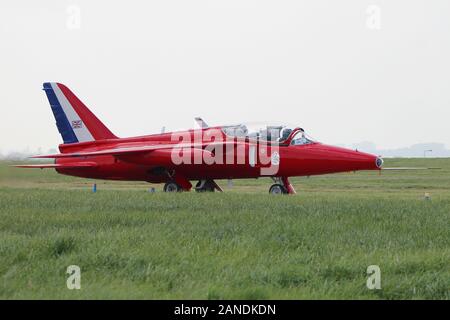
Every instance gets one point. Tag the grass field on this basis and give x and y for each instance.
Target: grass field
(241, 244)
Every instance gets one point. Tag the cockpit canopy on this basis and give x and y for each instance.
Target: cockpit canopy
(268, 132)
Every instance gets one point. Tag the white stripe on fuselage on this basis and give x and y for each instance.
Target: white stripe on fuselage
(82, 133)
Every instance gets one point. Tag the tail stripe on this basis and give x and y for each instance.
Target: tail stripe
(81, 131)
(75, 122)
(62, 122)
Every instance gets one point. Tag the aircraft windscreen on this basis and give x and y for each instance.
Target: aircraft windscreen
(266, 132)
(301, 138)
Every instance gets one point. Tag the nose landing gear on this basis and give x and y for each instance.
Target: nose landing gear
(281, 186)
(277, 189)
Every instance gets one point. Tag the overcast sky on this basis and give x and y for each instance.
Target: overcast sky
(346, 71)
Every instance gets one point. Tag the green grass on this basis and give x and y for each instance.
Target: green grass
(241, 244)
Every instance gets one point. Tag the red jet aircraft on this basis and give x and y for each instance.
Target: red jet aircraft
(91, 150)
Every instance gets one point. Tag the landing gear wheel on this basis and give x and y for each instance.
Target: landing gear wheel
(207, 187)
(172, 187)
(277, 189)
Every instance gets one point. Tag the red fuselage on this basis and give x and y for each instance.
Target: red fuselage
(294, 160)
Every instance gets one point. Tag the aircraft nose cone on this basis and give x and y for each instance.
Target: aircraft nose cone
(379, 162)
(363, 161)
(350, 160)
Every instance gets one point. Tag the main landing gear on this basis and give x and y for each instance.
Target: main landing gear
(172, 186)
(176, 183)
(202, 186)
(281, 186)
(208, 185)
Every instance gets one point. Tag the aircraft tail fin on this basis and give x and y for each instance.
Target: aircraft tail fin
(75, 122)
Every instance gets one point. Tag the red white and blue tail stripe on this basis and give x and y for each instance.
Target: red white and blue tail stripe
(75, 122)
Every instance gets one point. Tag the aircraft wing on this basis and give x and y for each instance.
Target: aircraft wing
(58, 166)
(129, 150)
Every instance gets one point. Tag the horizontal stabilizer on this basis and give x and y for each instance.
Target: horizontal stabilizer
(58, 166)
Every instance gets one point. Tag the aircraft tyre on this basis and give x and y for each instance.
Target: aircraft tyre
(277, 189)
(207, 187)
(171, 187)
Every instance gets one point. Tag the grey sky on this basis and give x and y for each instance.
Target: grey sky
(141, 65)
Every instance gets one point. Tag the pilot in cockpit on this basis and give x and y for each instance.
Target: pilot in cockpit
(285, 133)
(300, 138)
